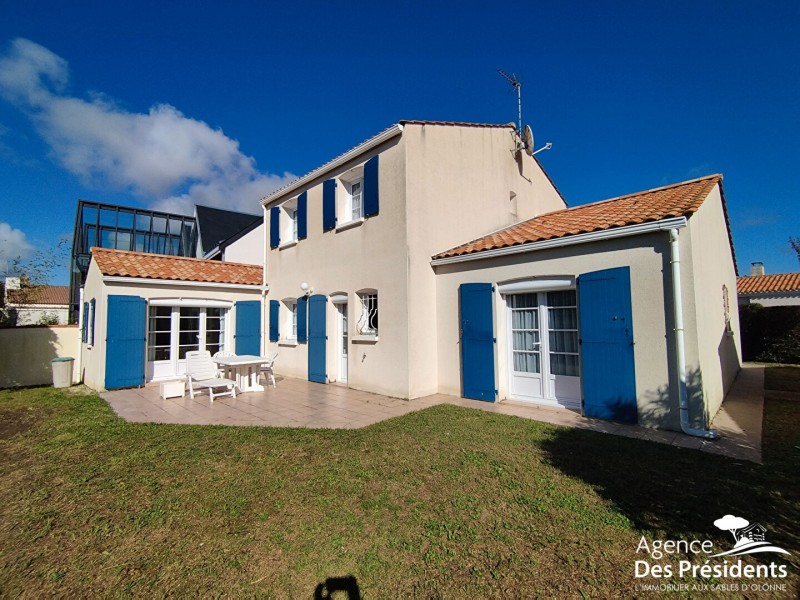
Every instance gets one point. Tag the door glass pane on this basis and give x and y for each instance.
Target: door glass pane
(159, 335)
(189, 331)
(562, 315)
(215, 330)
(525, 333)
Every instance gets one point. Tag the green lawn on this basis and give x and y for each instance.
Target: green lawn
(444, 502)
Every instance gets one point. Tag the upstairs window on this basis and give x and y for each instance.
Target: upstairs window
(367, 323)
(355, 196)
(289, 222)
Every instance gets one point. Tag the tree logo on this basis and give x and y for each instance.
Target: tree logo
(749, 538)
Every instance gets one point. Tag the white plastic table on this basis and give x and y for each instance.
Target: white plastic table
(245, 369)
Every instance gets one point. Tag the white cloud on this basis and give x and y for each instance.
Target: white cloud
(164, 157)
(13, 244)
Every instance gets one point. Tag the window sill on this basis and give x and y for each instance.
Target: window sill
(287, 342)
(350, 224)
(364, 339)
(287, 245)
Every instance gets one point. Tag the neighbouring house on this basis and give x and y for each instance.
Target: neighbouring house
(142, 312)
(216, 227)
(35, 304)
(780, 289)
(438, 257)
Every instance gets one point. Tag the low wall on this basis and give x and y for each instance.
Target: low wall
(26, 352)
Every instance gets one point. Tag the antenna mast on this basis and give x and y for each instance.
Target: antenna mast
(517, 85)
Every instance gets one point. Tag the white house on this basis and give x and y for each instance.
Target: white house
(439, 257)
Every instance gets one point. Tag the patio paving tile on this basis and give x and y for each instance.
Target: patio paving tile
(299, 403)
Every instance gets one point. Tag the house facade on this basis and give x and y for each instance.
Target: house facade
(352, 294)
(28, 304)
(141, 313)
(439, 258)
(779, 289)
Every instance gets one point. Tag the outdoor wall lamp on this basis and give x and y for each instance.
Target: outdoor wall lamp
(306, 289)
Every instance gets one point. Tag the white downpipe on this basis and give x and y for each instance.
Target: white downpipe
(81, 317)
(680, 346)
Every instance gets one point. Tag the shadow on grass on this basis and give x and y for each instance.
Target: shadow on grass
(331, 585)
(681, 492)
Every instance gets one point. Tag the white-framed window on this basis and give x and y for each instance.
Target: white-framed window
(289, 233)
(355, 193)
(291, 318)
(367, 323)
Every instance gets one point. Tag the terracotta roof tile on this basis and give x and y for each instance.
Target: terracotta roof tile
(121, 263)
(761, 284)
(53, 295)
(677, 200)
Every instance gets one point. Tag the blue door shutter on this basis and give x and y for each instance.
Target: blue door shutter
(606, 330)
(274, 313)
(477, 341)
(125, 341)
(302, 216)
(371, 192)
(274, 227)
(248, 327)
(317, 339)
(328, 204)
(302, 311)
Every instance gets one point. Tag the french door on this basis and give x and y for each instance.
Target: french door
(543, 347)
(175, 330)
(342, 341)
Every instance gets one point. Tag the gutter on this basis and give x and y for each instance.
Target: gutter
(680, 347)
(264, 286)
(179, 283)
(371, 143)
(581, 238)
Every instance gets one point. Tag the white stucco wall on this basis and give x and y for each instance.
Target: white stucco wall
(774, 299)
(31, 314)
(26, 352)
(719, 354)
(248, 249)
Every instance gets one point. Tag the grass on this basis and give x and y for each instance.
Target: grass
(446, 502)
(782, 378)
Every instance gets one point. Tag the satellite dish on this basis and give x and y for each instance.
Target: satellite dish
(527, 140)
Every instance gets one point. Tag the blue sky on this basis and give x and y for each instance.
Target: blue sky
(165, 103)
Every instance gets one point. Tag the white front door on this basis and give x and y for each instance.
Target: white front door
(543, 347)
(342, 341)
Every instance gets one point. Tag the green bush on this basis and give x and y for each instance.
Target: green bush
(770, 333)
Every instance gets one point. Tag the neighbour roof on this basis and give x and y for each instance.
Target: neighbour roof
(52, 295)
(458, 124)
(121, 263)
(763, 284)
(217, 225)
(677, 200)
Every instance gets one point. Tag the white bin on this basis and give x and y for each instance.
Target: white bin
(62, 371)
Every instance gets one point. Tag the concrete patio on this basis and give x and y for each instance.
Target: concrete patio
(299, 403)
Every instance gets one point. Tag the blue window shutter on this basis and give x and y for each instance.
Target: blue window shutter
(302, 216)
(248, 327)
(477, 341)
(125, 341)
(371, 191)
(85, 328)
(302, 311)
(274, 313)
(606, 332)
(317, 339)
(274, 227)
(92, 307)
(328, 204)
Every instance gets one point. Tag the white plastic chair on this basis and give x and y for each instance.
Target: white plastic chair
(202, 372)
(266, 368)
(225, 370)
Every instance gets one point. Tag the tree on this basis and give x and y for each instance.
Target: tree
(795, 244)
(732, 524)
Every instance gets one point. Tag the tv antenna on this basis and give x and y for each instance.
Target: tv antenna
(517, 85)
(525, 135)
